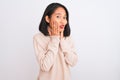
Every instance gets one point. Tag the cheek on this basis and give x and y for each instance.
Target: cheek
(55, 20)
(65, 22)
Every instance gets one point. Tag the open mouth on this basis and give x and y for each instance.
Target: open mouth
(62, 27)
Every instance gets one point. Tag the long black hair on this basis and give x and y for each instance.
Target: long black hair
(48, 12)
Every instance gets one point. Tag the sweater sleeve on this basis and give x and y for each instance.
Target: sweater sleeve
(46, 57)
(69, 52)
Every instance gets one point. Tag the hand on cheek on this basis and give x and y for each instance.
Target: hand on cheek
(54, 29)
(61, 34)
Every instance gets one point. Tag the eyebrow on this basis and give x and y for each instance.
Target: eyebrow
(59, 14)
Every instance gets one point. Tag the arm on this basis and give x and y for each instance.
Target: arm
(46, 57)
(69, 52)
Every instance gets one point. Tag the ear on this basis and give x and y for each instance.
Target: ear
(47, 19)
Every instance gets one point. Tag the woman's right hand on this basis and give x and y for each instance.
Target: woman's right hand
(54, 29)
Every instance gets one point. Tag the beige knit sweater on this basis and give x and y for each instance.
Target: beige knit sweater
(54, 56)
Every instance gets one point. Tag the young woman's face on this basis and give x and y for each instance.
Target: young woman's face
(59, 16)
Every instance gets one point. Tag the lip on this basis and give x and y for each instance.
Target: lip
(62, 26)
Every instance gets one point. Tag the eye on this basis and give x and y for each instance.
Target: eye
(58, 16)
(64, 17)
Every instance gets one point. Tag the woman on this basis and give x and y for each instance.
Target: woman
(53, 46)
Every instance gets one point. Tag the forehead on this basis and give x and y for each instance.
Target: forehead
(60, 11)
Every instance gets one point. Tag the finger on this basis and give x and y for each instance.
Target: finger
(56, 27)
(61, 34)
(51, 24)
(53, 27)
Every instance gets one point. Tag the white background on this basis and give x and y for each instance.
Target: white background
(95, 28)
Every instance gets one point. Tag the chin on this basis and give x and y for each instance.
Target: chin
(61, 30)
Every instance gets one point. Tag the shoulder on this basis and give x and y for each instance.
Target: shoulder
(35, 36)
(38, 35)
(69, 38)
(41, 38)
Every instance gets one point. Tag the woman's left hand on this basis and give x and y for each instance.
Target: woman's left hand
(61, 34)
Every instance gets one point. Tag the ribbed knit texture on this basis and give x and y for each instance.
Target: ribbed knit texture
(55, 56)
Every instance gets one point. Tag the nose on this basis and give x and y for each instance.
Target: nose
(62, 21)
